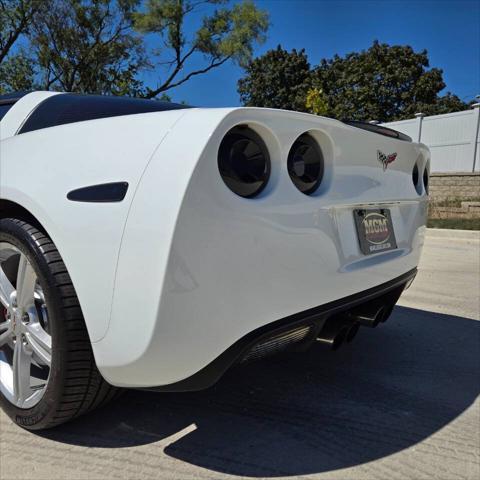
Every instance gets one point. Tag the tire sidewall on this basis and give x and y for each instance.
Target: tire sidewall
(40, 415)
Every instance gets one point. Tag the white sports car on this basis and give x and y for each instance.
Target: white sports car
(150, 245)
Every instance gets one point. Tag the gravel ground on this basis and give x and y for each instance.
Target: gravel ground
(399, 402)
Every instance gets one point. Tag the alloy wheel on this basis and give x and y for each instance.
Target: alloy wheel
(25, 337)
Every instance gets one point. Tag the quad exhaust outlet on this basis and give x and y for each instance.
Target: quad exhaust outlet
(331, 329)
(344, 327)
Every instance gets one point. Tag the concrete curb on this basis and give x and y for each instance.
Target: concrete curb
(452, 233)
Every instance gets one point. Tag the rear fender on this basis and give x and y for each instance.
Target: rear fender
(39, 168)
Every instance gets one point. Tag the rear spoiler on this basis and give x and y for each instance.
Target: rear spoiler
(371, 127)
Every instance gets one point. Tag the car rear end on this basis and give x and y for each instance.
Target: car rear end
(306, 233)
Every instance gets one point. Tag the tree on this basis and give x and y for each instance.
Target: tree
(16, 73)
(88, 46)
(278, 79)
(382, 83)
(226, 34)
(97, 46)
(316, 101)
(15, 18)
(446, 104)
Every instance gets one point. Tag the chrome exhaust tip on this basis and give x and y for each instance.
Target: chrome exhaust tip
(369, 316)
(333, 333)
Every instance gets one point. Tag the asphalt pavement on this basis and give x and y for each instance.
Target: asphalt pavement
(400, 402)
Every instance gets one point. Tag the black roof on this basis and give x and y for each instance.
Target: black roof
(71, 108)
(12, 97)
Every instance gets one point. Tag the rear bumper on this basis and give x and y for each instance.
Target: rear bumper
(310, 321)
(209, 302)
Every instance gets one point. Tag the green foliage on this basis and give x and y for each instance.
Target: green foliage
(316, 101)
(97, 46)
(15, 18)
(75, 46)
(383, 83)
(278, 79)
(88, 46)
(446, 104)
(16, 74)
(225, 34)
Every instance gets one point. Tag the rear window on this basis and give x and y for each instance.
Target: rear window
(4, 109)
(71, 108)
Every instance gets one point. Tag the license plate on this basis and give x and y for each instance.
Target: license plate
(375, 230)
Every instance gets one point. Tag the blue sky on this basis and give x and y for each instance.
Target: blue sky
(448, 29)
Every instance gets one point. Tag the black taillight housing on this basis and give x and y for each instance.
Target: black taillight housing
(306, 164)
(416, 178)
(425, 179)
(244, 162)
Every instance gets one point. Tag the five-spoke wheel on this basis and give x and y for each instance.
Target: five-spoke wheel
(48, 373)
(25, 341)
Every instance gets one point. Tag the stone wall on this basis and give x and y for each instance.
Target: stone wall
(461, 186)
(454, 195)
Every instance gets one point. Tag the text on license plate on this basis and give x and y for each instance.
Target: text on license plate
(375, 230)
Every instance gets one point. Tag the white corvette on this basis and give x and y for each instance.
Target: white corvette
(149, 245)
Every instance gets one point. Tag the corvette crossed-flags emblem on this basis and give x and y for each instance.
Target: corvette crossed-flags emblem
(384, 159)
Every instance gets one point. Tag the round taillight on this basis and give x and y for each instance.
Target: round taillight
(425, 180)
(243, 162)
(305, 164)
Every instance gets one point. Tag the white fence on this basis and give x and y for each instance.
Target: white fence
(453, 139)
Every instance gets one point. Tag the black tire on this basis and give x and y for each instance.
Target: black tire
(75, 385)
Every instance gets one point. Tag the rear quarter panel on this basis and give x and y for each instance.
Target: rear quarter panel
(39, 168)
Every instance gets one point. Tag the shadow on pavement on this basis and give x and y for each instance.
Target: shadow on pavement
(311, 412)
